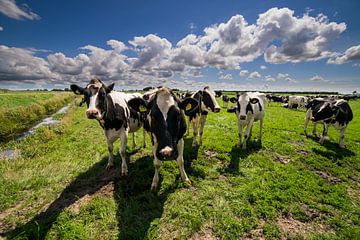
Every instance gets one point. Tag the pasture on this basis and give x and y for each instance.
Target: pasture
(290, 187)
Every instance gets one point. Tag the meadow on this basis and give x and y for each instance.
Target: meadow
(287, 187)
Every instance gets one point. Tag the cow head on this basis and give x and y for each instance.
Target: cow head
(95, 94)
(243, 105)
(209, 103)
(166, 119)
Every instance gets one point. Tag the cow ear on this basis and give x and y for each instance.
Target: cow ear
(138, 104)
(109, 88)
(233, 100)
(77, 90)
(189, 105)
(254, 100)
(232, 109)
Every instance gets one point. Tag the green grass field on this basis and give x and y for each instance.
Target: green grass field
(23, 98)
(291, 187)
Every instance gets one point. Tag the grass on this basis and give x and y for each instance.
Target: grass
(21, 110)
(290, 187)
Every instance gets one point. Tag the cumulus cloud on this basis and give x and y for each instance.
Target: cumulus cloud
(269, 78)
(1, 28)
(286, 77)
(223, 76)
(351, 54)
(11, 10)
(254, 75)
(244, 73)
(317, 78)
(263, 67)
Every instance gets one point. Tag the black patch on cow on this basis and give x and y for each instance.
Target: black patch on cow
(207, 100)
(225, 98)
(330, 112)
(114, 117)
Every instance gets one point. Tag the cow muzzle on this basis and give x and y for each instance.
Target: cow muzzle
(242, 117)
(167, 153)
(217, 109)
(93, 114)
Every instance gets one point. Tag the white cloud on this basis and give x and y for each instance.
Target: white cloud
(286, 77)
(244, 73)
(11, 10)
(1, 28)
(263, 67)
(269, 78)
(317, 78)
(223, 76)
(254, 75)
(351, 54)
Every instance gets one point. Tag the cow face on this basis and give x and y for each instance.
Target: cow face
(323, 111)
(166, 120)
(244, 105)
(95, 94)
(209, 102)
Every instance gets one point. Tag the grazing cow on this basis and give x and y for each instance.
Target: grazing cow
(167, 125)
(207, 103)
(225, 99)
(299, 100)
(328, 112)
(218, 93)
(250, 107)
(110, 109)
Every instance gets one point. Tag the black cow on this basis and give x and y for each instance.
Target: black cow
(225, 99)
(336, 113)
(167, 125)
(207, 103)
(110, 109)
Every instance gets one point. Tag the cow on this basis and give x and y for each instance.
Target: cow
(207, 103)
(336, 113)
(167, 125)
(110, 109)
(250, 107)
(299, 100)
(225, 100)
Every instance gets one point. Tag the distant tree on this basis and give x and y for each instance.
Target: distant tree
(354, 92)
(147, 88)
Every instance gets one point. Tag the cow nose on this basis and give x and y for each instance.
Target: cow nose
(166, 153)
(92, 113)
(242, 117)
(312, 119)
(217, 109)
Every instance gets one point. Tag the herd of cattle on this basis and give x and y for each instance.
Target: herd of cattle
(161, 112)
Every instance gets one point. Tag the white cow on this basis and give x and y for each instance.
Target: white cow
(300, 101)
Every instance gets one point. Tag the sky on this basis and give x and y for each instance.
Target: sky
(226, 44)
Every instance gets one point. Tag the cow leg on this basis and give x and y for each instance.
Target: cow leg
(247, 132)
(111, 137)
(314, 129)
(305, 125)
(123, 138)
(202, 125)
(261, 128)
(133, 140)
(342, 135)
(324, 134)
(239, 134)
(188, 128)
(144, 137)
(195, 125)
(157, 165)
(180, 161)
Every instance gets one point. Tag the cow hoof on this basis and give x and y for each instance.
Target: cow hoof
(342, 146)
(188, 182)
(194, 144)
(124, 173)
(153, 187)
(109, 166)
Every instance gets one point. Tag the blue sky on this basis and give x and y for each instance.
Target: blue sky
(242, 45)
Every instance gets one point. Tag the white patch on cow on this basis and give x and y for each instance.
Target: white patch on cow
(164, 101)
(92, 104)
(339, 102)
(166, 151)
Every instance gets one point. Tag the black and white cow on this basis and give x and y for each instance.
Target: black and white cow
(225, 100)
(167, 125)
(300, 101)
(207, 103)
(110, 109)
(329, 112)
(250, 107)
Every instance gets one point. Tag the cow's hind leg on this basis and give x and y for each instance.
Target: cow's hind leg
(144, 137)
(324, 134)
(246, 134)
(261, 129)
(180, 161)
(111, 137)
(195, 126)
(202, 125)
(123, 139)
(133, 140)
(342, 135)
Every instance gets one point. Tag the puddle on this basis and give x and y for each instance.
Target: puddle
(49, 121)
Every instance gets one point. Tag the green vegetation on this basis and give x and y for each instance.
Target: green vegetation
(21, 110)
(290, 187)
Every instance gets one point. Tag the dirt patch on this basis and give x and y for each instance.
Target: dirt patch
(330, 179)
(206, 234)
(222, 178)
(302, 152)
(256, 233)
(210, 154)
(354, 179)
(295, 143)
(280, 158)
(311, 213)
(291, 228)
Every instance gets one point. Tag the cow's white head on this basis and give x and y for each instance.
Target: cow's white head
(244, 107)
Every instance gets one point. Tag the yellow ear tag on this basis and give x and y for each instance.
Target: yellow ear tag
(188, 107)
(142, 108)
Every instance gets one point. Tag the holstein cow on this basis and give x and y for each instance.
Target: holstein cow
(328, 112)
(299, 100)
(250, 107)
(110, 109)
(225, 100)
(167, 125)
(207, 103)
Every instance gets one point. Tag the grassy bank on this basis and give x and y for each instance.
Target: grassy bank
(291, 187)
(19, 111)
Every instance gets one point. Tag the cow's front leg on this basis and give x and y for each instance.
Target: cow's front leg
(261, 129)
(144, 137)
(133, 140)
(324, 134)
(180, 161)
(157, 165)
(305, 125)
(246, 134)
(111, 137)
(123, 139)
(314, 129)
(342, 136)
(195, 131)
(202, 125)
(240, 127)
